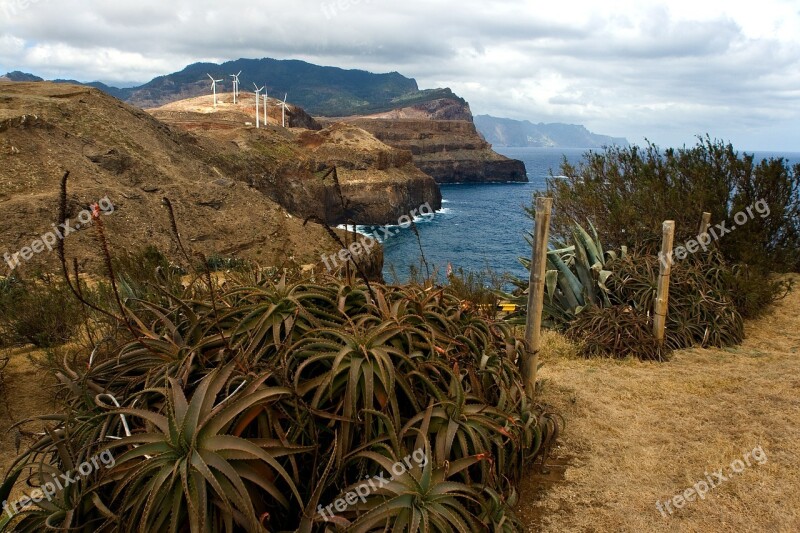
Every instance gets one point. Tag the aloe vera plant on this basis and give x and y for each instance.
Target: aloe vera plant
(247, 406)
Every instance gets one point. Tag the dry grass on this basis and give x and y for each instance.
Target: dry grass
(639, 432)
(27, 392)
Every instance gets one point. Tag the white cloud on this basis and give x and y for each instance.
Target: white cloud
(662, 70)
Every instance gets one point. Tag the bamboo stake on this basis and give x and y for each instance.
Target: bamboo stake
(533, 325)
(662, 300)
(705, 223)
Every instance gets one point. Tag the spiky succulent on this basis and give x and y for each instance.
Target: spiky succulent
(246, 406)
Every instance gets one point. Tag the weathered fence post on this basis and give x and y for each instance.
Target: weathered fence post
(662, 299)
(705, 223)
(533, 325)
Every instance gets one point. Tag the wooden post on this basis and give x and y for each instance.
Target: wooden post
(533, 325)
(705, 223)
(662, 299)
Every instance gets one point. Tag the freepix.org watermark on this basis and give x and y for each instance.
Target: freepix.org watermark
(372, 485)
(713, 480)
(715, 233)
(58, 483)
(331, 9)
(12, 8)
(48, 241)
(371, 239)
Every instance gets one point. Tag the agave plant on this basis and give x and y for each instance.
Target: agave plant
(72, 505)
(411, 495)
(576, 278)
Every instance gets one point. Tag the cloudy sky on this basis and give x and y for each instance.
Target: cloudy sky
(665, 71)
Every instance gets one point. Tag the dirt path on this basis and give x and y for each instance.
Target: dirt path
(638, 433)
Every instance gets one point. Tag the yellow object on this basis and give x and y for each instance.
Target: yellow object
(507, 307)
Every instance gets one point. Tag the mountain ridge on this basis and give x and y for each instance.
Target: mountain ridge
(321, 90)
(524, 133)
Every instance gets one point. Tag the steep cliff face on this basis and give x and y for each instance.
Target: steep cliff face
(377, 184)
(450, 151)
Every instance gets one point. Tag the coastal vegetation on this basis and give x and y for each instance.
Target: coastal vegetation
(602, 292)
(628, 192)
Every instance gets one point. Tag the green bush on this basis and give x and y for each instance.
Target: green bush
(701, 309)
(146, 274)
(629, 192)
(595, 294)
(479, 290)
(619, 331)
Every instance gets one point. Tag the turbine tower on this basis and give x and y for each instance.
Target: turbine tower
(266, 95)
(214, 88)
(284, 106)
(258, 95)
(236, 85)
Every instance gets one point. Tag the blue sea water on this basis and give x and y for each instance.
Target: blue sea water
(483, 226)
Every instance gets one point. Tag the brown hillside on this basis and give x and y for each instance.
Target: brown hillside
(380, 183)
(117, 151)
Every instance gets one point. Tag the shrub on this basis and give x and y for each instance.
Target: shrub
(754, 291)
(701, 308)
(584, 280)
(41, 312)
(256, 408)
(479, 290)
(146, 274)
(629, 192)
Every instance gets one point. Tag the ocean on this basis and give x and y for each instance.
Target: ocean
(483, 226)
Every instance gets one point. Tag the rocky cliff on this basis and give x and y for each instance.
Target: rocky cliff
(227, 181)
(378, 183)
(451, 151)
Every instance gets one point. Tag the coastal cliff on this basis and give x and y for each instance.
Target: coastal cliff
(450, 151)
(377, 184)
(443, 141)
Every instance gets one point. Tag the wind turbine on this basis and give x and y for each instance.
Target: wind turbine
(235, 85)
(214, 88)
(258, 94)
(266, 95)
(284, 106)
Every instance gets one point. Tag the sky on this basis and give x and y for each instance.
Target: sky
(655, 70)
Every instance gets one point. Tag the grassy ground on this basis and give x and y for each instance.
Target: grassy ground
(637, 433)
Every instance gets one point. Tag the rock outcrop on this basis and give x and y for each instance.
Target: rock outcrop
(377, 184)
(450, 151)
